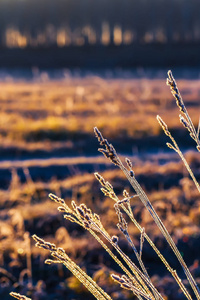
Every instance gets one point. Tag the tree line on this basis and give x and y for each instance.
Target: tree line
(176, 19)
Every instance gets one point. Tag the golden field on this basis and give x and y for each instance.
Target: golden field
(48, 145)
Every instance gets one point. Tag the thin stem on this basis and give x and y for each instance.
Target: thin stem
(143, 197)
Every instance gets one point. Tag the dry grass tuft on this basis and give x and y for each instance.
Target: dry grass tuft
(132, 276)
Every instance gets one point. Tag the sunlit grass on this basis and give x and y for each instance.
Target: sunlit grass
(47, 117)
(57, 111)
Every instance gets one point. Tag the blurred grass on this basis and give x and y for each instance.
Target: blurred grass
(70, 109)
(52, 115)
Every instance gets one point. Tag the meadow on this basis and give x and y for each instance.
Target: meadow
(47, 145)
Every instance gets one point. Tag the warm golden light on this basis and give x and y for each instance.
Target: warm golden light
(15, 39)
(61, 38)
(105, 37)
(20, 251)
(117, 35)
(128, 37)
(65, 36)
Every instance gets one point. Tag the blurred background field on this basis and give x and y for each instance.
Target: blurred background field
(66, 67)
(48, 145)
